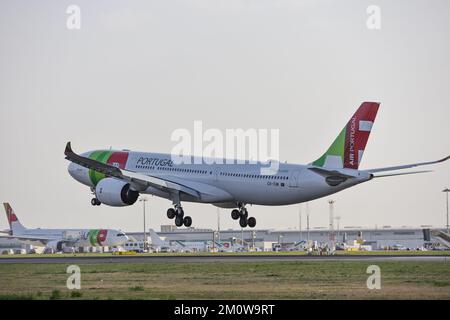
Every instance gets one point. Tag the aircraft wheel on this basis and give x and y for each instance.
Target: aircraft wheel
(180, 212)
(95, 202)
(187, 221)
(251, 222)
(178, 221)
(171, 213)
(243, 222)
(235, 214)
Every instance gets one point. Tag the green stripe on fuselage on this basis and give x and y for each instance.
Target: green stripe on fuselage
(93, 235)
(100, 156)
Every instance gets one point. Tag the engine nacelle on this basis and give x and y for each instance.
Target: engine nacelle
(115, 193)
(55, 245)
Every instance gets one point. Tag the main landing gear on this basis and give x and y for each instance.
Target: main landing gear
(178, 214)
(242, 215)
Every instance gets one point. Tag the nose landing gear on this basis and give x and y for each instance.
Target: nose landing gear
(95, 202)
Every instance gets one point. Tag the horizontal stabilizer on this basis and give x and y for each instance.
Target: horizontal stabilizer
(400, 173)
(407, 166)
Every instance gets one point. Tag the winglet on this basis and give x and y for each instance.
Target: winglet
(68, 149)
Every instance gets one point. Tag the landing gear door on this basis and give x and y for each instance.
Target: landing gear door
(294, 178)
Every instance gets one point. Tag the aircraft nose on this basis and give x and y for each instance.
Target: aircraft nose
(79, 173)
(72, 168)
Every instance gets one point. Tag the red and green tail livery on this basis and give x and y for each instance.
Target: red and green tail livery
(348, 148)
(13, 221)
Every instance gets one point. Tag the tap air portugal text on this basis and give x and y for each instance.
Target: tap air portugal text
(118, 177)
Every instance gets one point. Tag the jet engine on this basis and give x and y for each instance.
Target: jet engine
(115, 193)
(57, 246)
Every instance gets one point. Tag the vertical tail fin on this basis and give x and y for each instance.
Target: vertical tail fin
(348, 148)
(156, 240)
(14, 223)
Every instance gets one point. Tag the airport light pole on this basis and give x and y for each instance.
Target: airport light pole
(218, 225)
(307, 222)
(338, 219)
(300, 222)
(214, 241)
(331, 226)
(144, 200)
(447, 190)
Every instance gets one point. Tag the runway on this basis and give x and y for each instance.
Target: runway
(221, 258)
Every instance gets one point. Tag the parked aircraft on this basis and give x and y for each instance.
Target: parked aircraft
(176, 246)
(57, 239)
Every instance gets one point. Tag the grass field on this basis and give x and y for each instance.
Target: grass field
(228, 280)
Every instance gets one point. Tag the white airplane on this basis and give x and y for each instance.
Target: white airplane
(116, 178)
(176, 246)
(57, 238)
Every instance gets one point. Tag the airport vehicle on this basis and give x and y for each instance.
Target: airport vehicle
(117, 178)
(398, 247)
(161, 245)
(58, 239)
(135, 246)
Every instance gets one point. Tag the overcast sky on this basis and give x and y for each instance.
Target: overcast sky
(138, 70)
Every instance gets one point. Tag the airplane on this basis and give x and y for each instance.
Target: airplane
(117, 178)
(176, 246)
(57, 238)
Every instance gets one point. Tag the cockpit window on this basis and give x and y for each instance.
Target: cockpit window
(121, 235)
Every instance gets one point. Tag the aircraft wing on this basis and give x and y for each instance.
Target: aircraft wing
(407, 166)
(138, 180)
(44, 240)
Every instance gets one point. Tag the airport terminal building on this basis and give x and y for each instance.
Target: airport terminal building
(378, 239)
(270, 239)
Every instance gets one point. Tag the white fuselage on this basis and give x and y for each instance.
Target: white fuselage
(230, 183)
(77, 237)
